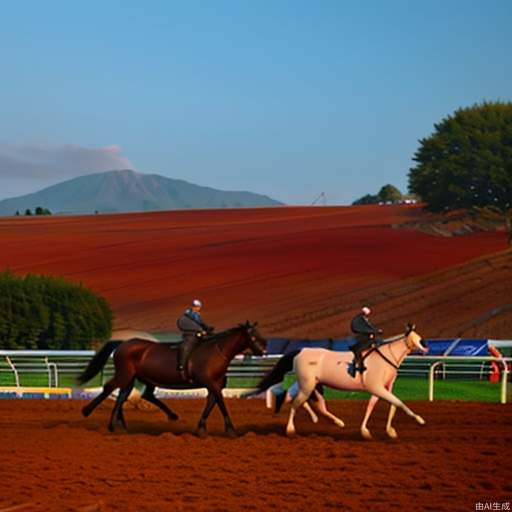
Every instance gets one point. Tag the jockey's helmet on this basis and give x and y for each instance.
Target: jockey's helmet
(196, 303)
(366, 310)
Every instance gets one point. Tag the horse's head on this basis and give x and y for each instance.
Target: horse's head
(414, 341)
(255, 342)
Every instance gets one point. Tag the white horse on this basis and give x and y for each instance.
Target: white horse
(314, 366)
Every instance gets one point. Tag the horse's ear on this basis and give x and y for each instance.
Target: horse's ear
(410, 327)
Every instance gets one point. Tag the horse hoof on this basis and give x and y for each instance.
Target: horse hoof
(173, 417)
(420, 420)
(366, 433)
(85, 412)
(290, 432)
(202, 432)
(340, 423)
(111, 428)
(231, 433)
(392, 433)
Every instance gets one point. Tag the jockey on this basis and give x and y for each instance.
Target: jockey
(192, 330)
(366, 335)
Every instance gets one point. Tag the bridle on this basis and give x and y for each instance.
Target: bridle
(253, 342)
(408, 343)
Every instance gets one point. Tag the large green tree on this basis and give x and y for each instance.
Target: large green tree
(467, 161)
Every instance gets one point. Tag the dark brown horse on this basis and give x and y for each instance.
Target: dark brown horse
(154, 364)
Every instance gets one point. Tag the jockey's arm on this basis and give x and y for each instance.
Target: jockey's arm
(370, 328)
(187, 324)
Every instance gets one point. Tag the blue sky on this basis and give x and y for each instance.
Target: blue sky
(286, 98)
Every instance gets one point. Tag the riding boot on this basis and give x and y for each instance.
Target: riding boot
(183, 352)
(357, 364)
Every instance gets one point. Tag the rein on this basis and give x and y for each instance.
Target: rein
(386, 359)
(376, 349)
(216, 338)
(224, 356)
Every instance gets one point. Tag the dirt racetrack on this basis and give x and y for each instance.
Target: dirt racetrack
(54, 460)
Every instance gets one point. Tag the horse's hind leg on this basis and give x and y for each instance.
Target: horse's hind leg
(312, 414)
(305, 390)
(120, 412)
(321, 407)
(107, 390)
(117, 411)
(149, 396)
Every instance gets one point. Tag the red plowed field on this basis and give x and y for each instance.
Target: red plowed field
(54, 460)
(299, 271)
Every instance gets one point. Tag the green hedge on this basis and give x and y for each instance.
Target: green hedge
(42, 312)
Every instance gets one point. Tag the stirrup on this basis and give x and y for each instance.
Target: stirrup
(361, 368)
(351, 369)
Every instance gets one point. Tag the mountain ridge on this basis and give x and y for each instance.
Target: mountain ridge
(129, 191)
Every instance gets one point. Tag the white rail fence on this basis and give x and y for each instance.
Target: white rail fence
(61, 367)
(465, 367)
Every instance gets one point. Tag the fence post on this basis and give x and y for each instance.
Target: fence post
(431, 379)
(504, 380)
(15, 371)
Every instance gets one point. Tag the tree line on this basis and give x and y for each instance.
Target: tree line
(38, 211)
(42, 312)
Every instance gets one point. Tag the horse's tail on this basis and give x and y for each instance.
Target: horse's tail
(276, 375)
(98, 361)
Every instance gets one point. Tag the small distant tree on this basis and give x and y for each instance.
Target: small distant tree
(367, 199)
(28, 211)
(389, 193)
(17, 213)
(42, 211)
(386, 193)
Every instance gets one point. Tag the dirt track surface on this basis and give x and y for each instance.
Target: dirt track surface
(299, 271)
(52, 459)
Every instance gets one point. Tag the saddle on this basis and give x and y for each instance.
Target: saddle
(357, 364)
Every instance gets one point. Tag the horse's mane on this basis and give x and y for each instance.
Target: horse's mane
(222, 334)
(394, 339)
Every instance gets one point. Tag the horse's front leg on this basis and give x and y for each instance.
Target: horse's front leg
(201, 426)
(216, 390)
(393, 400)
(389, 429)
(392, 409)
(369, 409)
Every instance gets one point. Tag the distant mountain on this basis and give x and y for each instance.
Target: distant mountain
(128, 191)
